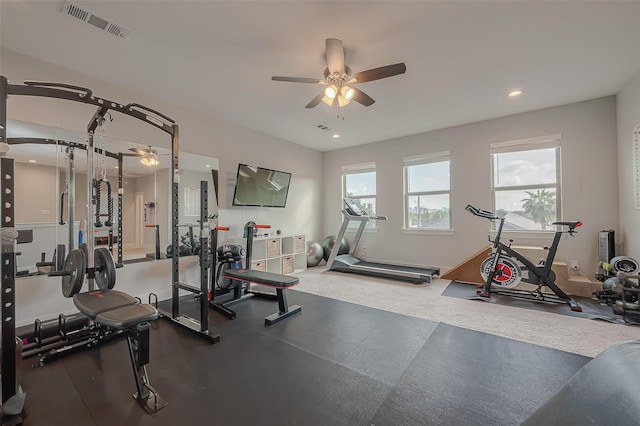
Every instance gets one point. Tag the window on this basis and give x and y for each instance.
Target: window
(359, 183)
(427, 191)
(526, 182)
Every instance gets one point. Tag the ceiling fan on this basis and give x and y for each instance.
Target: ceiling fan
(340, 81)
(149, 156)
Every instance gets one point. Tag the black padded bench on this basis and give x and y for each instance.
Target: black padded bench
(278, 281)
(120, 311)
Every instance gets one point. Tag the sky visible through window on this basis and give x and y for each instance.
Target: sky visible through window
(429, 177)
(361, 184)
(521, 168)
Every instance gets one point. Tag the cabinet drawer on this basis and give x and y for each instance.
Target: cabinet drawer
(273, 248)
(299, 245)
(288, 265)
(259, 266)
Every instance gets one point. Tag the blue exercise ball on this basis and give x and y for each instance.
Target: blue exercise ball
(327, 245)
(315, 253)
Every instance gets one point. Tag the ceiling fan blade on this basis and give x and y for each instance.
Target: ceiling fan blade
(378, 73)
(315, 101)
(362, 98)
(297, 79)
(335, 56)
(137, 151)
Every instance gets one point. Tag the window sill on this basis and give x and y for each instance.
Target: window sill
(415, 231)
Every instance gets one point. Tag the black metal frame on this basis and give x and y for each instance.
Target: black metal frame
(542, 274)
(200, 327)
(138, 341)
(9, 358)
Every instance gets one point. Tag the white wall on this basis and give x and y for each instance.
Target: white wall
(589, 185)
(36, 199)
(199, 134)
(628, 108)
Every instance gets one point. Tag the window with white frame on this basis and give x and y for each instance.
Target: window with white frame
(427, 189)
(359, 184)
(526, 182)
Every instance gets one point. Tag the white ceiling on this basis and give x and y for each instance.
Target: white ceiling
(462, 57)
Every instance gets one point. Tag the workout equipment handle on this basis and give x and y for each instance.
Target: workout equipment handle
(482, 213)
(262, 226)
(626, 275)
(221, 228)
(62, 222)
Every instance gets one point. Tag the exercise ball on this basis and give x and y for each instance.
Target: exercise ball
(315, 253)
(327, 245)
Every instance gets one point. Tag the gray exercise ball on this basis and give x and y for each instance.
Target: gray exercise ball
(315, 253)
(327, 245)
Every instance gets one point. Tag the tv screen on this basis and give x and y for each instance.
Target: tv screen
(260, 187)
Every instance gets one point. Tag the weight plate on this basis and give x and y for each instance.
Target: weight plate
(507, 275)
(105, 275)
(75, 264)
(624, 264)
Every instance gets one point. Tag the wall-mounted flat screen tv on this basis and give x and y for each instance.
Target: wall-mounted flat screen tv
(260, 187)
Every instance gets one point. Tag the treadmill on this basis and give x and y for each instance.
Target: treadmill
(353, 264)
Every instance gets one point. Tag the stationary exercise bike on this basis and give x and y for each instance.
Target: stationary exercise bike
(503, 269)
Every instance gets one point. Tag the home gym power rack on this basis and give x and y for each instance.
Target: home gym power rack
(71, 196)
(79, 94)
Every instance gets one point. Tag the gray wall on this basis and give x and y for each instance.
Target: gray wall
(589, 183)
(628, 102)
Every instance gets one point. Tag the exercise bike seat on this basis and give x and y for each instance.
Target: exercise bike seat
(93, 303)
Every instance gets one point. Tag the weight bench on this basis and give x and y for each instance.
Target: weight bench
(278, 281)
(120, 311)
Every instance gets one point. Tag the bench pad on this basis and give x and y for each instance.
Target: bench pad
(127, 316)
(94, 303)
(263, 278)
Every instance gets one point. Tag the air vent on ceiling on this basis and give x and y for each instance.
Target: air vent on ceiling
(323, 127)
(99, 22)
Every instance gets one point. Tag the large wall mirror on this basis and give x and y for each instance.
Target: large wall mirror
(50, 169)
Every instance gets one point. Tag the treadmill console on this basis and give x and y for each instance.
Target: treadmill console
(352, 208)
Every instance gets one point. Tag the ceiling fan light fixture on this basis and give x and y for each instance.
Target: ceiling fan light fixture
(347, 92)
(342, 101)
(149, 161)
(331, 92)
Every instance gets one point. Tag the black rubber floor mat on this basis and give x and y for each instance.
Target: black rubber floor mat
(591, 309)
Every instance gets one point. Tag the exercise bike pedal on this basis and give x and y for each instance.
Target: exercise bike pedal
(575, 307)
(482, 292)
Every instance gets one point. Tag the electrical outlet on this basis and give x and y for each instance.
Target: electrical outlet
(364, 250)
(575, 265)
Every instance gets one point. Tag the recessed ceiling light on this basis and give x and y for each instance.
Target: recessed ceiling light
(208, 166)
(32, 161)
(335, 136)
(515, 92)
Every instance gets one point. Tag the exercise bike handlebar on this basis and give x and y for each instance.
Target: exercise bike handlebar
(482, 213)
